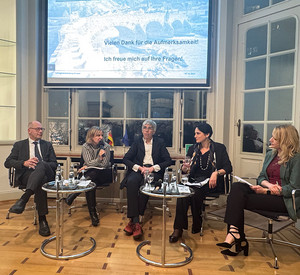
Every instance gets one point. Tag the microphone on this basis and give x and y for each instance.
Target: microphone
(102, 147)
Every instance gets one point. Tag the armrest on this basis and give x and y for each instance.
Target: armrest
(294, 191)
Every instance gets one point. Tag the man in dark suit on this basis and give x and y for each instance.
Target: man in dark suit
(147, 154)
(35, 162)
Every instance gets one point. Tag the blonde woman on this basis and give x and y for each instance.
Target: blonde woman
(95, 154)
(280, 174)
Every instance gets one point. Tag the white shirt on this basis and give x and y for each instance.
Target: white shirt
(147, 158)
(31, 148)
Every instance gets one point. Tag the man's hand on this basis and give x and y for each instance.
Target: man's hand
(31, 163)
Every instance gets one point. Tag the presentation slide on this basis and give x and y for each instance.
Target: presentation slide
(128, 42)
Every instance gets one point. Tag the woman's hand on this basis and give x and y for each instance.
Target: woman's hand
(101, 153)
(259, 189)
(82, 168)
(213, 179)
(276, 189)
(185, 167)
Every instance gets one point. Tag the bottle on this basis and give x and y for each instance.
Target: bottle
(173, 183)
(71, 176)
(166, 180)
(58, 175)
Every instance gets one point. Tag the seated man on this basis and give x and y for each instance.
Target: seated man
(35, 162)
(146, 154)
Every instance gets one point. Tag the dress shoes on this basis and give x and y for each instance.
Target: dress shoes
(173, 238)
(18, 207)
(129, 228)
(94, 218)
(137, 231)
(44, 229)
(195, 231)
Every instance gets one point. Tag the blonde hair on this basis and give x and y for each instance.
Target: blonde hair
(93, 131)
(288, 139)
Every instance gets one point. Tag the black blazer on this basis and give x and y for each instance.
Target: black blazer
(20, 153)
(136, 154)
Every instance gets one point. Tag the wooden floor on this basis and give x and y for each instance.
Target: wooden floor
(116, 253)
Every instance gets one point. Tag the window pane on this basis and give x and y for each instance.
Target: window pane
(89, 103)
(58, 103)
(58, 131)
(164, 130)
(112, 104)
(134, 130)
(116, 128)
(195, 104)
(278, 75)
(283, 35)
(253, 138)
(256, 43)
(137, 104)
(253, 5)
(189, 132)
(83, 126)
(8, 126)
(8, 90)
(280, 104)
(254, 106)
(276, 1)
(162, 104)
(255, 74)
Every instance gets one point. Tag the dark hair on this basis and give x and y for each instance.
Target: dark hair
(204, 128)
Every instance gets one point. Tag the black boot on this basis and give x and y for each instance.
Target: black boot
(71, 198)
(91, 202)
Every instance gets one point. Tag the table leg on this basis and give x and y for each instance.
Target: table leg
(59, 236)
(163, 244)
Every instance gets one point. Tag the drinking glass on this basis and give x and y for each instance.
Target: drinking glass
(82, 177)
(187, 163)
(146, 181)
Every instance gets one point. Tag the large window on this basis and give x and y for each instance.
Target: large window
(269, 89)
(8, 70)
(121, 114)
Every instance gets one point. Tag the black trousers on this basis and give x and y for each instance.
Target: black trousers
(196, 203)
(243, 197)
(34, 180)
(136, 201)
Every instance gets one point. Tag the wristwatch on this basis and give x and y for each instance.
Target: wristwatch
(219, 173)
(268, 192)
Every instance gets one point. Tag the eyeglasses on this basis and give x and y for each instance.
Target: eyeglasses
(38, 129)
(147, 128)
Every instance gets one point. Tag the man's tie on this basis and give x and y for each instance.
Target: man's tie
(36, 151)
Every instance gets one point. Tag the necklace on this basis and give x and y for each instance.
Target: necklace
(201, 166)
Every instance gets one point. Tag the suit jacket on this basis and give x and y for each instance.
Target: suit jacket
(136, 154)
(290, 179)
(20, 153)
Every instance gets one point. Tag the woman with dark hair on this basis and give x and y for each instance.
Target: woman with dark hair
(279, 176)
(95, 154)
(209, 159)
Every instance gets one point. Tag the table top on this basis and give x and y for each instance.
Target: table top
(168, 195)
(51, 187)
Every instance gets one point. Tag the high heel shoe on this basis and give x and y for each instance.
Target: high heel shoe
(240, 245)
(173, 238)
(231, 231)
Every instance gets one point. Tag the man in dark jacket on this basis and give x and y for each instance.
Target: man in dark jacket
(35, 162)
(148, 154)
